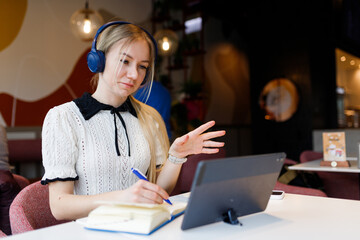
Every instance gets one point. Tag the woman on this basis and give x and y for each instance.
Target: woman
(90, 144)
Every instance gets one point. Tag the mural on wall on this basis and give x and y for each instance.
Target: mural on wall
(228, 74)
(32, 113)
(13, 21)
(42, 63)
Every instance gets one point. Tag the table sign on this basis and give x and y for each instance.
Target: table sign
(334, 150)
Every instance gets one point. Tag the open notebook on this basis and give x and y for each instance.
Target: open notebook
(132, 218)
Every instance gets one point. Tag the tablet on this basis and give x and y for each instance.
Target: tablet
(225, 189)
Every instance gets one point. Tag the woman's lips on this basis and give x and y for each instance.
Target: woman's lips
(128, 85)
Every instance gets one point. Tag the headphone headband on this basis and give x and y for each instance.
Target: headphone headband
(96, 59)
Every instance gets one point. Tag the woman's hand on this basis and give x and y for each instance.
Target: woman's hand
(65, 205)
(144, 192)
(197, 141)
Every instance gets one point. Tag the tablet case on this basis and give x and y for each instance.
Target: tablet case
(227, 188)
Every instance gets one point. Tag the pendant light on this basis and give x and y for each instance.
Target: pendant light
(167, 41)
(85, 22)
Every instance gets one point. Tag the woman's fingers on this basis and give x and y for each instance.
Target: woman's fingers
(214, 134)
(203, 127)
(210, 147)
(196, 141)
(149, 192)
(156, 189)
(210, 150)
(213, 144)
(151, 197)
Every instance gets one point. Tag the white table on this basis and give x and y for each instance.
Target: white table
(294, 217)
(315, 166)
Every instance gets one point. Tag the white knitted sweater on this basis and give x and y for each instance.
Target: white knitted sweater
(74, 147)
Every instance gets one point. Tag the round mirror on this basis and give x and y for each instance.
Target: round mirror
(279, 99)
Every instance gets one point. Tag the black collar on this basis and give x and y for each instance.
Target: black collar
(89, 106)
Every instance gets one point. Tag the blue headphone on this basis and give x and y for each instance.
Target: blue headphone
(96, 58)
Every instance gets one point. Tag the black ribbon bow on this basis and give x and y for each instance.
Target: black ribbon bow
(89, 106)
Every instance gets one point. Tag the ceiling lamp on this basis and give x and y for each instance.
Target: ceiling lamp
(167, 41)
(85, 22)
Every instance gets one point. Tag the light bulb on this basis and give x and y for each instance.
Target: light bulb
(87, 26)
(167, 41)
(165, 44)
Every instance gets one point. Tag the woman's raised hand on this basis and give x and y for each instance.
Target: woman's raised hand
(197, 141)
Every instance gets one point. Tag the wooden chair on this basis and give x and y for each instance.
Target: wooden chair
(31, 210)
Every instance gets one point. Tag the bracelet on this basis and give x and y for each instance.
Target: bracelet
(176, 160)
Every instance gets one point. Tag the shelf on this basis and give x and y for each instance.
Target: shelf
(191, 44)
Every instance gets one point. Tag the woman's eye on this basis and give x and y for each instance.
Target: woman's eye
(143, 67)
(125, 61)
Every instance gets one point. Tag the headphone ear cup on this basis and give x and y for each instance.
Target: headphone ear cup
(96, 61)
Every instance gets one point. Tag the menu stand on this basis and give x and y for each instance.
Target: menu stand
(335, 163)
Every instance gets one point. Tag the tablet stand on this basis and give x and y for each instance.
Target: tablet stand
(231, 217)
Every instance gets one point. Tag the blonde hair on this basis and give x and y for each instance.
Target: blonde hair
(151, 122)
(153, 126)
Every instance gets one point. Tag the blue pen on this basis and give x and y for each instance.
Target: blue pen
(142, 176)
